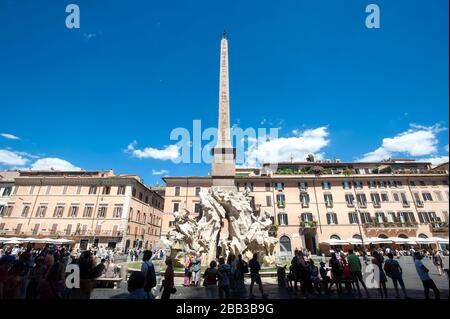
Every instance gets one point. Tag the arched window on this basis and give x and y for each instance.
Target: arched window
(145, 218)
(402, 236)
(356, 236)
(382, 236)
(422, 236)
(285, 246)
(130, 216)
(335, 237)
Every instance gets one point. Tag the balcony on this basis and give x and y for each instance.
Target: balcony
(307, 224)
(439, 228)
(405, 203)
(376, 204)
(397, 224)
(281, 204)
(329, 204)
(419, 203)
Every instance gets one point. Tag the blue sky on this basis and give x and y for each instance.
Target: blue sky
(134, 71)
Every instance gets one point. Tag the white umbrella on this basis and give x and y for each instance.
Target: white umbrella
(2, 239)
(31, 240)
(355, 241)
(399, 240)
(47, 240)
(62, 241)
(420, 240)
(440, 240)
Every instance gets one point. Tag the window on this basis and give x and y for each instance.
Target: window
(285, 246)
(358, 185)
(376, 201)
(380, 218)
(106, 190)
(332, 219)
(303, 186)
(399, 183)
(422, 183)
(59, 211)
(25, 210)
(395, 197)
(36, 229)
(7, 191)
(54, 229)
(328, 198)
(268, 201)
(365, 218)
(177, 190)
(384, 197)
(391, 217)
(176, 207)
(73, 211)
(197, 191)
(64, 190)
(133, 192)
(197, 208)
(78, 190)
(362, 200)
(16, 188)
(304, 199)
(267, 186)
(2, 209)
(8, 210)
(118, 211)
(88, 211)
(281, 200)
(249, 186)
(346, 185)
(405, 201)
(41, 211)
(392, 184)
(427, 197)
(47, 191)
(371, 184)
(326, 185)
(349, 199)
(280, 186)
(102, 212)
(282, 219)
(92, 190)
(382, 184)
(412, 183)
(306, 217)
(140, 195)
(121, 190)
(31, 190)
(353, 218)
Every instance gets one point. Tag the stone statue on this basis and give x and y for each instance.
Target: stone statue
(248, 233)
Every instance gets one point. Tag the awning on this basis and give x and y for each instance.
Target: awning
(377, 240)
(12, 242)
(399, 240)
(356, 241)
(335, 242)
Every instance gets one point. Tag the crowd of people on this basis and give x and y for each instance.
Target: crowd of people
(28, 273)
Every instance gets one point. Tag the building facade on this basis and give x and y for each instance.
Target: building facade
(313, 202)
(89, 207)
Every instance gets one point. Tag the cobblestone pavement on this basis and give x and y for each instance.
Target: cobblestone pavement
(413, 285)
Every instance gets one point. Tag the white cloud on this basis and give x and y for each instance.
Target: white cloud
(10, 136)
(287, 148)
(161, 172)
(436, 160)
(446, 148)
(418, 140)
(12, 158)
(170, 152)
(49, 163)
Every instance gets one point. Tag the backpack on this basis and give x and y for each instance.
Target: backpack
(150, 278)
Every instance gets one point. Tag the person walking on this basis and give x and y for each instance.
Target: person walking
(438, 262)
(210, 280)
(168, 282)
(378, 261)
(187, 271)
(148, 269)
(423, 273)
(240, 268)
(224, 278)
(395, 272)
(355, 267)
(255, 277)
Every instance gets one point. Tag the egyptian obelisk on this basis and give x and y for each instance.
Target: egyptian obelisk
(223, 166)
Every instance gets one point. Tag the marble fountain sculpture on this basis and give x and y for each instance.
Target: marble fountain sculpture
(247, 232)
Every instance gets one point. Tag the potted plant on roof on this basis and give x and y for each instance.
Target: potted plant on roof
(317, 170)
